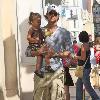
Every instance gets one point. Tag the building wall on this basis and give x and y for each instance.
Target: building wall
(88, 18)
(74, 21)
(96, 17)
(1, 57)
(89, 6)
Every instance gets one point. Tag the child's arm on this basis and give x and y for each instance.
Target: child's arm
(64, 54)
(30, 38)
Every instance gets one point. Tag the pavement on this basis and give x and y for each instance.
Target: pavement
(27, 83)
(73, 93)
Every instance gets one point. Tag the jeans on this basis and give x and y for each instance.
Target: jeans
(86, 81)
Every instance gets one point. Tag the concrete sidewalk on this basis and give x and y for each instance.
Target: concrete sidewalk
(73, 88)
(73, 93)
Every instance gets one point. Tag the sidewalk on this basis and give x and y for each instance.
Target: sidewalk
(73, 93)
(27, 83)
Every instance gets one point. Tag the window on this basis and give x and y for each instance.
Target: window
(56, 2)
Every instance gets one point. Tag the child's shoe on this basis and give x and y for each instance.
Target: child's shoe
(39, 73)
(49, 69)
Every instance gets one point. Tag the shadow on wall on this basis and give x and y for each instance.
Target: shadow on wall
(29, 68)
(23, 28)
(1, 94)
(10, 66)
(27, 96)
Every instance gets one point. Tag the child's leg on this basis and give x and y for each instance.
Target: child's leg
(38, 66)
(67, 93)
(39, 62)
(47, 60)
(34, 53)
(48, 56)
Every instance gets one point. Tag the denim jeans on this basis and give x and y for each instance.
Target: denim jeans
(86, 81)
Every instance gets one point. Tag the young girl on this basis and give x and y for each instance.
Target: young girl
(35, 38)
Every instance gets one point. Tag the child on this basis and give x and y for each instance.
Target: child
(35, 38)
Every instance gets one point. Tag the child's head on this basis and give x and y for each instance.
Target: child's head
(35, 19)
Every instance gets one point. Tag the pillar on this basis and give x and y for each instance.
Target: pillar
(8, 24)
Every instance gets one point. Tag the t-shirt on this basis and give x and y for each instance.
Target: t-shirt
(60, 40)
(81, 62)
(75, 48)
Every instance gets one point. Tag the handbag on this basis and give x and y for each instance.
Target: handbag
(79, 70)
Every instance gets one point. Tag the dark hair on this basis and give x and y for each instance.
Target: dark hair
(83, 37)
(91, 44)
(32, 16)
(49, 12)
(74, 41)
(97, 41)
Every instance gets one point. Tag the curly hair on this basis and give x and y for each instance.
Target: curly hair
(32, 16)
(83, 37)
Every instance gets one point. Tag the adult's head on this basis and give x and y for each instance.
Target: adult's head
(74, 42)
(83, 37)
(35, 19)
(52, 14)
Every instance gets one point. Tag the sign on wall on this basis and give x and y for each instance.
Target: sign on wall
(69, 13)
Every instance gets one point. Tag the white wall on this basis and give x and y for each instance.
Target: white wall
(2, 69)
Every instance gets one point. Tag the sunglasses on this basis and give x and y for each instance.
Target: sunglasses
(53, 13)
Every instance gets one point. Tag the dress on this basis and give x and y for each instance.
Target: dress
(97, 53)
(34, 46)
(67, 79)
(60, 40)
(37, 33)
